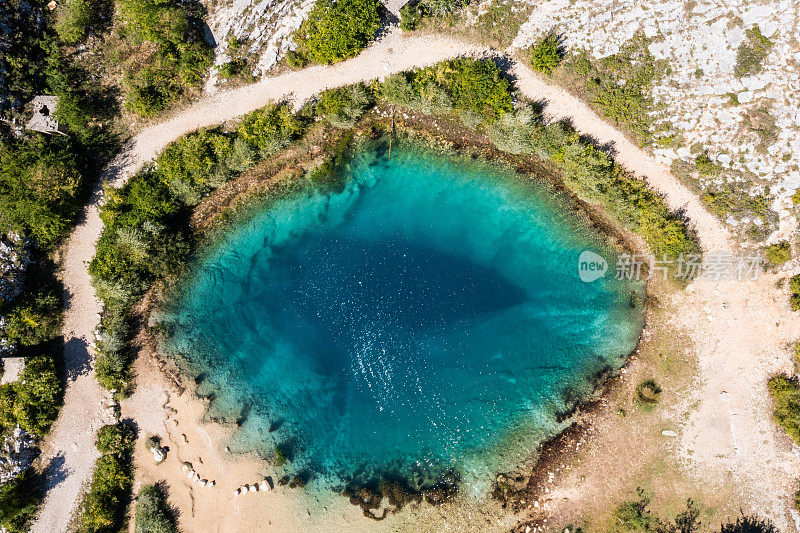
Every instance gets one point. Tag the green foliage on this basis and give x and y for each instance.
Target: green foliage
(73, 20)
(705, 165)
(153, 513)
(147, 235)
(778, 253)
(515, 132)
(752, 53)
(38, 394)
(179, 58)
(104, 508)
(477, 87)
(471, 86)
(34, 318)
(343, 107)
(785, 393)
(594, 176)
(20, 498)
(115, 440)
(619, 85)
(411, 15)
(497, 22)
(734, 200)
(337, 30)
(546, 55)
(794, 290)
(39, 182)
(634, 515)
(269, 129)
(749, 524)
(441, 9)
(231, 69)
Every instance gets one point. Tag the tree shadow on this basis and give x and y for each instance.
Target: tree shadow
(77, 361)
(54, 473)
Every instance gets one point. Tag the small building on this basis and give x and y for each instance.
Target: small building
(43, 120)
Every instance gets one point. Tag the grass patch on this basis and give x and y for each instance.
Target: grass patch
(635, 515)
(752, 53)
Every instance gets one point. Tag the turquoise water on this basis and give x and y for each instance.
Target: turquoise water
(428, 316)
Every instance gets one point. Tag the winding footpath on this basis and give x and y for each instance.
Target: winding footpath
(738, 347)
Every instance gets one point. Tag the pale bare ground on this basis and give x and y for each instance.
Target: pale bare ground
(737, 355)
(160, 409)
(741, 331)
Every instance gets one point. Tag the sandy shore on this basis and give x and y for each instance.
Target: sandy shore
(159, 407)
(740, 331)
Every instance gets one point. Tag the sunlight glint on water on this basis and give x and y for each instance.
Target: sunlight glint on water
(428, 316)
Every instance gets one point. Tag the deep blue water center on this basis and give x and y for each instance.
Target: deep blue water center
(428, 316)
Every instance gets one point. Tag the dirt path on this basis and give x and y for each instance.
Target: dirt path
(69, 448)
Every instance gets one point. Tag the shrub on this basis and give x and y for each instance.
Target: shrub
(546, 55)
(295, 59)
(153, 514)
(442, 8)
(785, 392)
(514, 132)
(752, 53)
(230, 69)
(411, 15)
(20, 498)
(104, 508)
(618, 86)
(705, 165)
(34, 319)
(778, 253)
(269, 129)
(467, 85)
(180, 60)
(337, 30)
(73, 19)
(794, 291)
(343, 107)
(38, 395)
(749, 524)
(634, 515)
(115, 440)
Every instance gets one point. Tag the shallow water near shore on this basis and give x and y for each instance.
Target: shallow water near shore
(428, 316)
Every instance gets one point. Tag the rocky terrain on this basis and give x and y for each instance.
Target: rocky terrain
(264, 27)
(748, 123)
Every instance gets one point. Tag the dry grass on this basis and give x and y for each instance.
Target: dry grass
(626, 448)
